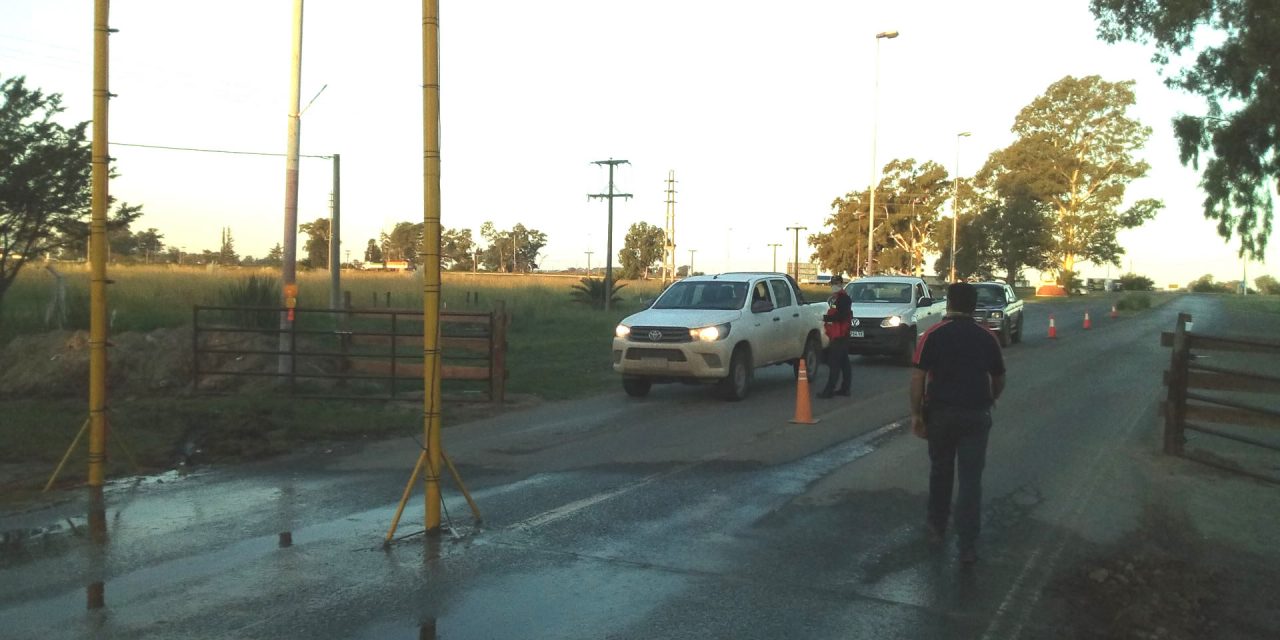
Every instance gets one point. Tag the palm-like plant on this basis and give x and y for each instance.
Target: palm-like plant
(590, 291)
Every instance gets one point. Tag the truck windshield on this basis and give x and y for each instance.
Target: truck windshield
(879, 292)
(711, 294)
(990, 295)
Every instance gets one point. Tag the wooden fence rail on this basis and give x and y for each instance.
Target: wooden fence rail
(1186, 410)
(379, 349)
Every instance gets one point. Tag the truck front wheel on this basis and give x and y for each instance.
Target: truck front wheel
(735, 386)
(636, 387)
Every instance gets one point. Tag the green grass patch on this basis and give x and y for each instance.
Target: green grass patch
(1255, 304)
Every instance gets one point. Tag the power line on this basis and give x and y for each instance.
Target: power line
(238, 153)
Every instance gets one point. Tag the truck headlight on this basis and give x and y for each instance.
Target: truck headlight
(891, 321)
(710, 334)
(996, 315)
(622, 331)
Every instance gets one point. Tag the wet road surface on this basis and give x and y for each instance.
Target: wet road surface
(673, 516)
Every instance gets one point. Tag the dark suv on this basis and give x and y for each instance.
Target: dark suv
(1000, 310)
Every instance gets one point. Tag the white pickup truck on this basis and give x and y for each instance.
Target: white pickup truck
(719, 329)
(890, 313)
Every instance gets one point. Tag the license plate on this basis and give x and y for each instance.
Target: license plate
(857, 334)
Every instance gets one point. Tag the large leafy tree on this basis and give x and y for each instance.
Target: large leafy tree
(1016, 232)
(402, 242)
(457, 250)
(373, 252)
(1236, 70)
(908, 201)
(641, 250)
(514, 250)
(44, 179)
(317, 245)
(1075, 152)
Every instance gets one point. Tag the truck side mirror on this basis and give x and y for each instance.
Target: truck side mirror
(761, 306)
(925, 302)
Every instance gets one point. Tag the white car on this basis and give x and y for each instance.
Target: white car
(890, 313)
(719, 329)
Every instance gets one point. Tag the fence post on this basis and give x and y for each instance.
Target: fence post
(1176, 406)
(498, 353)
(388, 299)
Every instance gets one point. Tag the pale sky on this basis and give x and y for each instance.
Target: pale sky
(763, 109)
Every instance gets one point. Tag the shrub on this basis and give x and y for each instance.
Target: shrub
(590, 291)
(254, 291)
(1134, 302)
(1135, 282)
(1204, 285)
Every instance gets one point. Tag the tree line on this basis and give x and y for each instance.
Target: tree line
(1051, 199)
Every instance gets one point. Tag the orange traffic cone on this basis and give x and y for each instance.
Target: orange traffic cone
(1053, 330)
(1114, 313)
(1087, 324)
(804, 412)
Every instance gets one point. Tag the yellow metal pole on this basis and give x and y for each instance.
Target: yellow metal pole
(404, 499)
(431, 256)
(475, 510)
(65, 456)
(98, 254)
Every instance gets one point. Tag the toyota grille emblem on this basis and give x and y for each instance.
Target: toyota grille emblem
(655, 335)
(857, 323)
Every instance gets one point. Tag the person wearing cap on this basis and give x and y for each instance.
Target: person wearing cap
(959, 373)
(836, 324)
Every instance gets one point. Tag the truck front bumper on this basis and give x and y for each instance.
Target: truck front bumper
(879, 340)
(671, 362)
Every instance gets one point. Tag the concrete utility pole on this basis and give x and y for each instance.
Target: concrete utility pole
(289, 268)
(589, 262)
(608, 256)
(775, 255)
(691, 252)
(795, 266)
(955, 205)
(335, 237)
(669, 235)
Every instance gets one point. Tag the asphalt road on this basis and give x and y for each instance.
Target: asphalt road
(673, 516)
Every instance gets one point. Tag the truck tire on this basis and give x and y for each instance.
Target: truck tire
(636, 387)
(812, 357)
(735, 386)
(1017, 335)
(1003, 333)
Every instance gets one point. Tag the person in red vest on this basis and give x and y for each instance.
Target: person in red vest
(836, 324)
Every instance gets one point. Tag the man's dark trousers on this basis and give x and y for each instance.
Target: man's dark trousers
(957, 443)
(838, 363)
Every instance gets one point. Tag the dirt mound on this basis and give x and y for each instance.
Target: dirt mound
(56, 364)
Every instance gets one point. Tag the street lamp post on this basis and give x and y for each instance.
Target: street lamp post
(875, 171)
(775, 246)
(795, 266)
(955, 204)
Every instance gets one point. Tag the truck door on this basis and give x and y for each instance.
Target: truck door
(790, 331)
(926, 317)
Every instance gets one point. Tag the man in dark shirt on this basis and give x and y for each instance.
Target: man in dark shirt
(959, 373)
